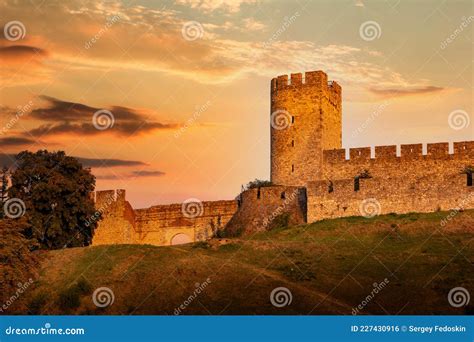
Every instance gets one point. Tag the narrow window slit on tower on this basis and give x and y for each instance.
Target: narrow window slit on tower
(292, 167)
(469, 179)
(356, 183)
(330, 187)
(292, 119)
(292, 143)
(258, 193)
(283, 195)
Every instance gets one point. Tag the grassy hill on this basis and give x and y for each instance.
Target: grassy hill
(330, 267)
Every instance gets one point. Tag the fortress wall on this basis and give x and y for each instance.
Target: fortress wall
(156, 225)
(296, 147)
(394, 195)
(261, 208)
(118, 219)
(159, 224)
(410, 164)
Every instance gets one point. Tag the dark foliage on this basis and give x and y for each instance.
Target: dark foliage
(56, 192)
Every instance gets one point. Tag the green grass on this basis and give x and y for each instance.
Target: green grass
(329, 266)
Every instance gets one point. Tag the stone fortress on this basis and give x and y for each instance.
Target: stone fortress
(311, 177)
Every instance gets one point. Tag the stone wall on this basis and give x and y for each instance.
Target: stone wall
(306, 119)
(157, 225)
(261, 208)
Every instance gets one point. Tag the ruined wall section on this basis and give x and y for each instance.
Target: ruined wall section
(118, 219)
(306, 117)
(262, 208)
(157, 225)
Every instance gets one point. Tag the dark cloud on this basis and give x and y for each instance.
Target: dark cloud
(9, 160)
(16, 141)
(65, 117)
(393, 92)
(146, 173)
(21, 51)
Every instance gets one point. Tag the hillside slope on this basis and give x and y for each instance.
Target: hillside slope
(330, 267)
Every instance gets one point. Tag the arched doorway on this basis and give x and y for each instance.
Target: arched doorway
(180, 239)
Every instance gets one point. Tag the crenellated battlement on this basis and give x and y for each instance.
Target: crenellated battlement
(407, 152)
(317, 79)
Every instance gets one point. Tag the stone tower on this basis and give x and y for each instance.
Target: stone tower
(306, 118)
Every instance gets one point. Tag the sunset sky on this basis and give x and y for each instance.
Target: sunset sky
(188, 82)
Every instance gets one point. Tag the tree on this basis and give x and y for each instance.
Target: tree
(3, 189)
(257, 183)
(55, 190)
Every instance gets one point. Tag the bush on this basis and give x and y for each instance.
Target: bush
(38, 302)
(257, 183)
